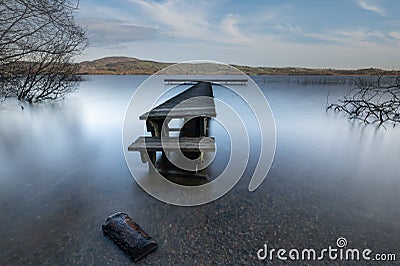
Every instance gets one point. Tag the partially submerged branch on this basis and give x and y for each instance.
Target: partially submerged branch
(371, 102)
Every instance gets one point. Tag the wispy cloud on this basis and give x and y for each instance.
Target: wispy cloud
(104, 32)
(193, 20)
(367, 5)
(183, 19)
(351, 37)
(230, 25)
(287, 28)
(394, 35)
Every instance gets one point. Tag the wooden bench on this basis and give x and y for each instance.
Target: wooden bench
(151, 145)
(196, 107)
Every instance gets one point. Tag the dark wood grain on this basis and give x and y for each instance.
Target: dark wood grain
(189, 105)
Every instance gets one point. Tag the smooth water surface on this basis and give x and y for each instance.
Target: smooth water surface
(62, 172)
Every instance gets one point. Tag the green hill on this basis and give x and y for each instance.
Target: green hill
(134, 66)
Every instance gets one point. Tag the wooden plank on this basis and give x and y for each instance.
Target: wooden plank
(180, 113)
(199, 107)
(187, 144)
(174, 81)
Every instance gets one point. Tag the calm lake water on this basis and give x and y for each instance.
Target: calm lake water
(62, 172)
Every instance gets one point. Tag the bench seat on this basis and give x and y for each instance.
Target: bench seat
(186, 144)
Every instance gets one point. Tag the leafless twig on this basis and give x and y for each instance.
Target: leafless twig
(371, 102)
(38, 41)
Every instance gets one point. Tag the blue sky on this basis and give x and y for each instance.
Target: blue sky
(302, 33)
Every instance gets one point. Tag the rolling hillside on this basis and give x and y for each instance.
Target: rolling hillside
(134, 66)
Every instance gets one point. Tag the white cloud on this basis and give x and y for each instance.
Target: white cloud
(394, 35)
(287, 28)
(113, 32)
(182, 18)
(367, 5)
(351, 37)
(192, 20)
(229, 26)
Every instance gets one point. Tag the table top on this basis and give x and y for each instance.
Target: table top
(189, 105)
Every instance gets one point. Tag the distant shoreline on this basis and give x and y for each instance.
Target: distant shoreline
(134, 66)
(266, 75)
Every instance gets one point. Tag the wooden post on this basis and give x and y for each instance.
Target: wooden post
(143, 157)
(152, 162)
(165, 127)
(156, 130)
(205, 126)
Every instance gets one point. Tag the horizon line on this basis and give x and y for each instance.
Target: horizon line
(238, 64)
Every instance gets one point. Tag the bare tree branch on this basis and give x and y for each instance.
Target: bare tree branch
(372, 102)
(38, 40)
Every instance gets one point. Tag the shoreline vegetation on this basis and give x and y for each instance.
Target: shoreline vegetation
(120, 65)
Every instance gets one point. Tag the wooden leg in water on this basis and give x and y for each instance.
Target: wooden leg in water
(152, 162)
(165, 128)
(204, 127)
(143, 157)
(155, 129)
(207, 124)
(150, 127)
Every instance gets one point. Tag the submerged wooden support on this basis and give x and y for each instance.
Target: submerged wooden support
(129, 236)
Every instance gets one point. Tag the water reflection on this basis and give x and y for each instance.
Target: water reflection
(62, 171)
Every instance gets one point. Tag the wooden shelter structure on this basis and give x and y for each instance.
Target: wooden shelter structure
(196, 107)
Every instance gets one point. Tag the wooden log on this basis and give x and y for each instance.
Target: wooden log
(129, 236)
